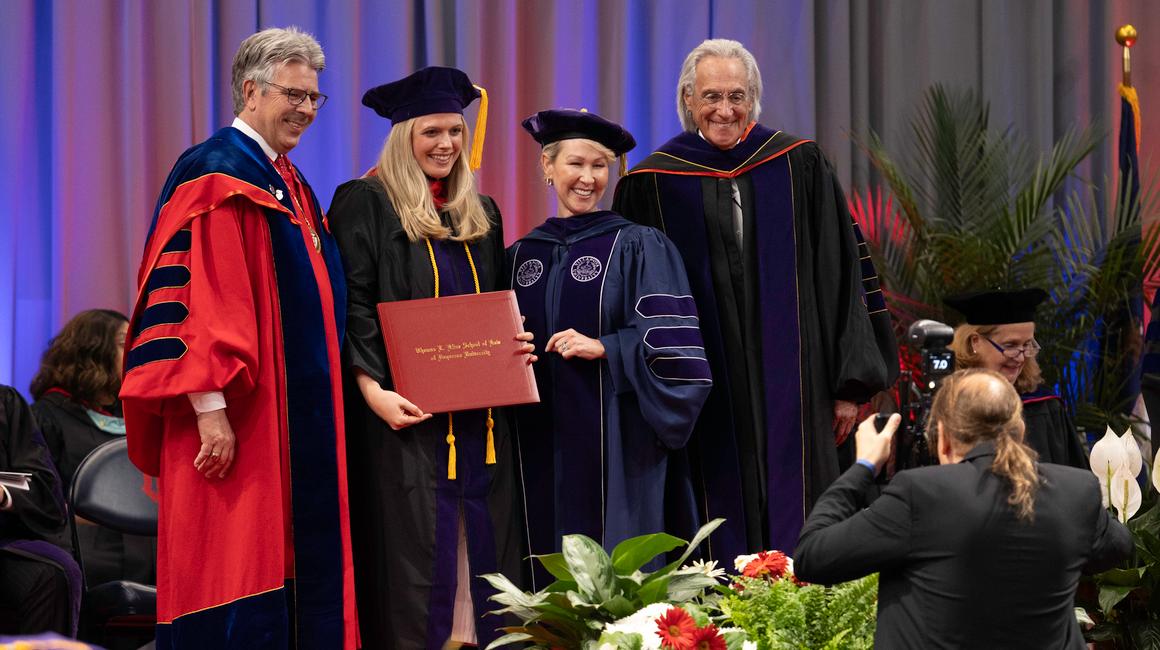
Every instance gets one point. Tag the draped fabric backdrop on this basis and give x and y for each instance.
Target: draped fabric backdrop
(101, 96)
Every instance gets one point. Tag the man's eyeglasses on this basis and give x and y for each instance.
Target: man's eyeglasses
(296, 96)
(1028, 349)
(736, 98)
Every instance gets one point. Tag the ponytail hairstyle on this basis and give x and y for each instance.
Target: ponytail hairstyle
(977, 405)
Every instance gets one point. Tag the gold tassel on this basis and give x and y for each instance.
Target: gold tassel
(623, 164)
(450, 450)
(480, 129)
(489, 457)
(1129, 94)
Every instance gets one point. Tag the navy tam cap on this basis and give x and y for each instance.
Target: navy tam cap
(566, 124)
(430, 90)
(998, 307)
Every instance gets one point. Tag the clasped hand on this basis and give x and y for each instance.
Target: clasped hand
(569, 343)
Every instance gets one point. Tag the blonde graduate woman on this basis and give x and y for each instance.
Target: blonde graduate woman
(433, 497)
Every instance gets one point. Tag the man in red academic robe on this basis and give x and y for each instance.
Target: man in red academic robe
(232, 389)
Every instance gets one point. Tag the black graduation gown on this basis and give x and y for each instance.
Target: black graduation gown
(70, 435)
(404, 510)
(788, 324)
(27, 553)
(1050, 431)
(597, 454)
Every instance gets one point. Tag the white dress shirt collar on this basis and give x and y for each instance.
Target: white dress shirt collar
(241, 125)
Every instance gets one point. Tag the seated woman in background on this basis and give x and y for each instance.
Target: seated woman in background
(77, 410)
(625, 373)
(999, 335)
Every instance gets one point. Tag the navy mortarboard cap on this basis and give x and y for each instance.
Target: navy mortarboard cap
(566, 124)
(431, 90)
(998, 307)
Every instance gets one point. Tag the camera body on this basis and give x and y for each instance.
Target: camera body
(931, 339)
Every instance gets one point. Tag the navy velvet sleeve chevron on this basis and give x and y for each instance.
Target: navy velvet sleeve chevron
(659, 352)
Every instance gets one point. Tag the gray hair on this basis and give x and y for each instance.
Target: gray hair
(261, 53)
(725, 49)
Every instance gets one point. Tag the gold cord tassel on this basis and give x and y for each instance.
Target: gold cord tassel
(450, 450)
(489, 457)
(480, 129)
(623, 164)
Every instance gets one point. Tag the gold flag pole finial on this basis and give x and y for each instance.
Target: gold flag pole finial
(1126, 37)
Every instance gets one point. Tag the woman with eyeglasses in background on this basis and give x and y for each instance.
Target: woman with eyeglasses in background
(999, 335)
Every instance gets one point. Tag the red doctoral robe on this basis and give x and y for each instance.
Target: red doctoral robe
(236, 296)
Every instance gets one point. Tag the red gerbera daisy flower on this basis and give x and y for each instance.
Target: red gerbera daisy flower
(707, 638)
(676, 628)
(770, 564)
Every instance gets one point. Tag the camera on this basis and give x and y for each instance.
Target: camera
(931, 339)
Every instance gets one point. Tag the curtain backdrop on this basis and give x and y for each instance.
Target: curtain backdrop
(101, 96)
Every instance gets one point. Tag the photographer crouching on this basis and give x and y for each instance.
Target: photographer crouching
(999, 335)
(984, 550)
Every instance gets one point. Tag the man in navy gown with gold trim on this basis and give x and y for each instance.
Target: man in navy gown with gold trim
(794, 336)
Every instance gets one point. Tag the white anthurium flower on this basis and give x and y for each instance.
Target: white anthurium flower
(1133, 461)
(1125, 494)
(1107, 456)
(1156, 469)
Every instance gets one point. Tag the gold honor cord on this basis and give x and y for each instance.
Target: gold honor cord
(489, 457)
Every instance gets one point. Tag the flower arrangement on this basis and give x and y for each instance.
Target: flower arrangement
(600, 600)
(606, 602)
(778, 611)
(1128, 597)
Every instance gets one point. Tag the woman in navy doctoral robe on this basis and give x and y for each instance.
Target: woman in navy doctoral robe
(624, 373)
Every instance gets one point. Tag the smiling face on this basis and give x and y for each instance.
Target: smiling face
(280, 123)
(722, 122)
(1011, 335)
(436, 141)
(579, 173)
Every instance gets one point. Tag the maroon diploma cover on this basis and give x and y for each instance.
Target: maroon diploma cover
(458, 352)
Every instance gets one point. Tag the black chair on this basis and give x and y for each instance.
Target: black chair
(108, 490)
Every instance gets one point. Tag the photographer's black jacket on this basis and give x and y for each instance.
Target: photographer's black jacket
(958, 569)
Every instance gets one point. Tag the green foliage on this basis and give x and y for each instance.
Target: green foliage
(780, 615)
(971, 207)
(593, 589)
(1129, 598)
